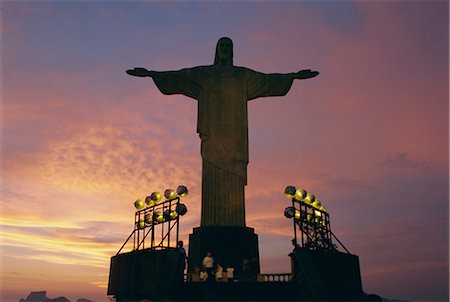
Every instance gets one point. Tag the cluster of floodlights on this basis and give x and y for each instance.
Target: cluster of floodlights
(154, 215)
(301, 196)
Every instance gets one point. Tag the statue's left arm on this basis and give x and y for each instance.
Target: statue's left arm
(273, 84)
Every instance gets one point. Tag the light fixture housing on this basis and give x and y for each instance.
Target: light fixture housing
(148, 218)
(309, 199)
(139, 204)
(149, 202)
(317, 204)
(170, 194)
(158, 217)
(141, 224)
(300, 194)
(289, 212)
(181, 209)
(182, 191)
(156, 197)
(290, 191)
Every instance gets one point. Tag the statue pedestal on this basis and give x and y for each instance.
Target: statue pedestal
(229, 247)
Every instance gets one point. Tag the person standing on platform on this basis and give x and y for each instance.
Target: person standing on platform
(183, 254)
(208, 266)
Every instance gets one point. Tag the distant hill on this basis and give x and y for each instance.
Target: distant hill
(41, 296)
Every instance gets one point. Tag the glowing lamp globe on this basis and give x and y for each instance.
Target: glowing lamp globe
(141, 224)
(139, 204)
(297, 215)
(148, 218)
(316, 204)
(181, 209)
(309, 199)
(173, 214)
(170, 194)
(158, 217)
(182, 191)
(156, 197)
(300, 194)
(290, 191)
(289, 212)
(149, 202)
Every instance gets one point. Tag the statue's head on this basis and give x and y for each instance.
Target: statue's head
(224, 52)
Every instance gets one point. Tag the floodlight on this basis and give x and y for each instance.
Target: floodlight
(139, 204)
(158, 217)
(149, 202)
(316, 204)
(156, 197)
(290, 191)
(148, 218)
(170, 194)
(181, 209)
(300, 194)
(309, 199)
(141, 224)
(289, 212)
(182, 191)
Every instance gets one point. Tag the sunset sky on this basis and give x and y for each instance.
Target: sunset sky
(81, 140)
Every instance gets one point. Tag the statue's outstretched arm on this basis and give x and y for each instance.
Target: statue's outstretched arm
(305, 74)
(139, 72)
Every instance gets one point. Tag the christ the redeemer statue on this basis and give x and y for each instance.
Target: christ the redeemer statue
(222, 92)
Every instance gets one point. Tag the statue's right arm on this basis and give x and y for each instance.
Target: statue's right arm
(139, 72)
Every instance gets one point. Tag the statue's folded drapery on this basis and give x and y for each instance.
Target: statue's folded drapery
(222, 93)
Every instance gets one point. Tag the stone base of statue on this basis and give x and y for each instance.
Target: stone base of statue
(235, 247)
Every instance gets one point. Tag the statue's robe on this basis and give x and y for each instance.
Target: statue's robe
(222, 93)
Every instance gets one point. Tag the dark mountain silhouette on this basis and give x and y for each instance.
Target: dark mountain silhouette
(41, 296)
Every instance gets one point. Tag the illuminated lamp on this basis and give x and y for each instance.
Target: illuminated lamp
(181, 209)
(297, 214)
(290, 191)
(316, 204)
(139, 204)
(309, 217)
(300, 194)
(322, 209)
(156, 197)
(141, 224)
(318, 213)
(158, 217)
(289, 212)
(148, 218)
(170, 194)
(149, 202)
(182, 191)
(309, 199)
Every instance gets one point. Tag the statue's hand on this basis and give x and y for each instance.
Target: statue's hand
(305, 74)
(139, 72)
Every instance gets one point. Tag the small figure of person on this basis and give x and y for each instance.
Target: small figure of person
(230, 273)
(203, 275)
(183, 257)
(219, 273)
(208, 266)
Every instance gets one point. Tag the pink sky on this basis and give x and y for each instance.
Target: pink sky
(81, 140)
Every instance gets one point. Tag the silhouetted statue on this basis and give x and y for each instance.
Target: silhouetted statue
(222, 91)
